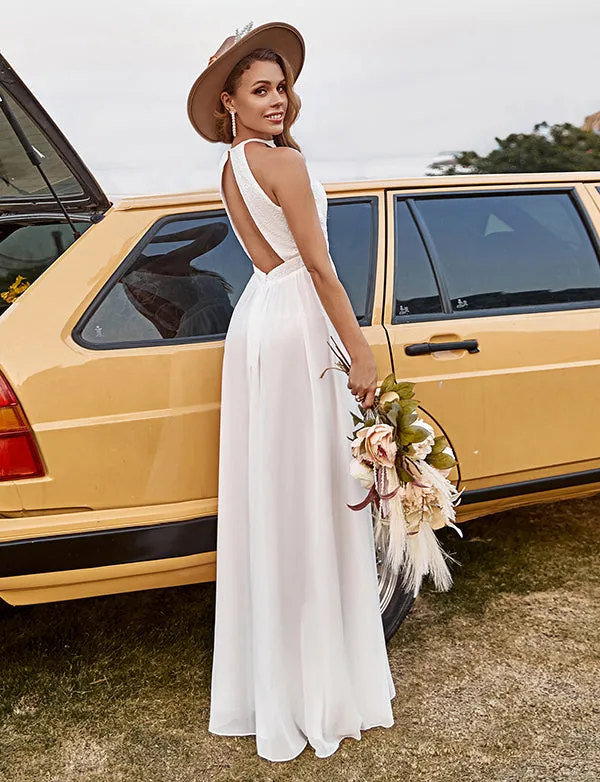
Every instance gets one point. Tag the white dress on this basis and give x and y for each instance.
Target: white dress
(299, 647)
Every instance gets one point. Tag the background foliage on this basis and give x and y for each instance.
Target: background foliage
(558, 147)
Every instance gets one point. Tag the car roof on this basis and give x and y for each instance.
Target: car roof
(419, 183)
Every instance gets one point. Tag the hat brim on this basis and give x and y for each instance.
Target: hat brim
(203, 98)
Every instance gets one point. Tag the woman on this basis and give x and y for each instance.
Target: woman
(299, 651)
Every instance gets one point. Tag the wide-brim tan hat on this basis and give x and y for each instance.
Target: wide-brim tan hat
(204, 97)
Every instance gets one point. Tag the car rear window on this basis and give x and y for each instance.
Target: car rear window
(27, 249)
(19, 178)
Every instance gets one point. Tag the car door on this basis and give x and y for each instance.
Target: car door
(508, 277)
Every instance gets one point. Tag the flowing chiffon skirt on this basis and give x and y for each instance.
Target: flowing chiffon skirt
(299, 648)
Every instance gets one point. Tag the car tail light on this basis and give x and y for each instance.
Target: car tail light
(19, 455)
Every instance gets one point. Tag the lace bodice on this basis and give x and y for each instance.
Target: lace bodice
(267, 215)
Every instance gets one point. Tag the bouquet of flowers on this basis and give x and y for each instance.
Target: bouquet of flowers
(405, 467)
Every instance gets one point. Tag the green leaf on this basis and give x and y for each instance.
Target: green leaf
(421, 433)
(404, 390)
(405, 476)
(388, 384)
(406, 420)
(440, 443)
(409, 405)
(356, 419)
(392, 413)
(414, 434)
(441, 461)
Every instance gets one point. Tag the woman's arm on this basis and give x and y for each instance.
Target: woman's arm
(291, 185)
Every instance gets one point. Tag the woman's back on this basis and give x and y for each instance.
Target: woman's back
(259, 222)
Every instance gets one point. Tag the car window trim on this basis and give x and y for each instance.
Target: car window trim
(439, 274)
(373, 201)
(570, 190)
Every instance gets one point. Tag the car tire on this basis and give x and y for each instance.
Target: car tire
(395, 611)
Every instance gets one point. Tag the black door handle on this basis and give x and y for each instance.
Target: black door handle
(423, 348)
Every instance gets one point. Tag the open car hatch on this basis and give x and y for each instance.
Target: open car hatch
(22, 187)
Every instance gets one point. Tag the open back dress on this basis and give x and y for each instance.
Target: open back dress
(299, 647)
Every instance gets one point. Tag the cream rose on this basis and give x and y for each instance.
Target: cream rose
(362, 472)
(358, 445)
(423, 449)
(389, 396)
(380, 445)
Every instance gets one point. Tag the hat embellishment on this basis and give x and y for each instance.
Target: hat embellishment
(240, 33)
(231, 41)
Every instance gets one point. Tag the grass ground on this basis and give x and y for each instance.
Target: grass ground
(497, 680)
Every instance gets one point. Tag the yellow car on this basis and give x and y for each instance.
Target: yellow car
(482, 290)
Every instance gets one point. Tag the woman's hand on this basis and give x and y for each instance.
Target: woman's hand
(362, 380)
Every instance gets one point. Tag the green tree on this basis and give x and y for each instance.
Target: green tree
(558, 148)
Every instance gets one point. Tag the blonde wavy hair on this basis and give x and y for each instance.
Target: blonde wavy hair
(222, 116)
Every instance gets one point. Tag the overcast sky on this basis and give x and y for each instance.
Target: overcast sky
(387, 85)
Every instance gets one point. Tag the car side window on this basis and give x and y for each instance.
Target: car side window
(352, 233)
(181, 282)
(516, 250)
(415, 288)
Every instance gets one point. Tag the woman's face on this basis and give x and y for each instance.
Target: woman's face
(260, 100)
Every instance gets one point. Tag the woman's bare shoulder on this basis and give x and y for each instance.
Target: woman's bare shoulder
(288, 156)
(275, 157)
(272, 165)
(286, 163)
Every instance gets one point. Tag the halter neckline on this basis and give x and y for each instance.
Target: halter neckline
(268, 141)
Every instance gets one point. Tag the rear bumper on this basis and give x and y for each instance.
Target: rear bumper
(107, 547)
(108, 561)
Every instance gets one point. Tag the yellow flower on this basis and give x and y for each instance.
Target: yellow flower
(15, 289)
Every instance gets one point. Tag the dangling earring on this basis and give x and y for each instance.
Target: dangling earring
(233, 124)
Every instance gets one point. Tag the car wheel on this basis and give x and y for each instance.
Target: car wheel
(394, 601)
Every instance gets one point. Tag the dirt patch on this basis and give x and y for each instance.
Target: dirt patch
(496, 680)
